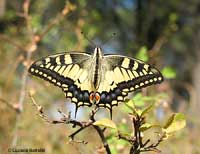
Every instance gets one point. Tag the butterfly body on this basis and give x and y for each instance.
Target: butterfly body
(96, 70)
(100, 80)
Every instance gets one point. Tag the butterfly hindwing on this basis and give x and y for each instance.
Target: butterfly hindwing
(123, 75)
(67, 71)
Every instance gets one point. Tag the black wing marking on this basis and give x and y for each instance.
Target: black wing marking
(123, 75)
(67, 71)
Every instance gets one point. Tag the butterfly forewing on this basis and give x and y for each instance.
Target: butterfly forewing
(68, 71)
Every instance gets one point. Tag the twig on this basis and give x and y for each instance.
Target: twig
(79, 130)
(130, 140)
(153, 147)
(29, 49)
(24, 76)
(8, 104)
(85, 124)
(138, 145)
(103, 139)
(100, 131)
(66, 119)
(66, 10)
(78, 141)
(157, 45)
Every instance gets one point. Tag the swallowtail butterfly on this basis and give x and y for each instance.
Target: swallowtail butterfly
(100, 80)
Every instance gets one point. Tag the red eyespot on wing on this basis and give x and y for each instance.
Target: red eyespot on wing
(97, 97)
(92, 97)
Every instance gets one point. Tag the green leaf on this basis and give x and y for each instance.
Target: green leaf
(169, 72)
(106, 123)
(130, 104)
(113, 150)
(130, 107)
(147, 110)
(174, 123)
(142, 54)
(145, 127)
(139, 112)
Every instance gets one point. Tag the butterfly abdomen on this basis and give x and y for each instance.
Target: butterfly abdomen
(96, 72)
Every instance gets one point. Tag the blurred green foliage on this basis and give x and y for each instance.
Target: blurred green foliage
(169, 72)
(142, 54)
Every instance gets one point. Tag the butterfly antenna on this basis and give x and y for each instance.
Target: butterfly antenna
(109, 38)
(88, 39)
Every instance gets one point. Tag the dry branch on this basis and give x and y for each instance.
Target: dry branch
(66, 119)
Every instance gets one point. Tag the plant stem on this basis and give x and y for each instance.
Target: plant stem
(103, 139)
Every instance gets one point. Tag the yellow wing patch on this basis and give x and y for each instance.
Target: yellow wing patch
(125, 63)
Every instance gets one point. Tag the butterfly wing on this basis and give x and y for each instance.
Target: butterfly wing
(67, 71)
(122, 75)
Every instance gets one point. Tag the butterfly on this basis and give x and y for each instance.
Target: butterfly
(97, 79)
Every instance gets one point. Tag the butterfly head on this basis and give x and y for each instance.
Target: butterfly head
(98, 52)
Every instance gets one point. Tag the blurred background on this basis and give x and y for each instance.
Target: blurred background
(165, 34)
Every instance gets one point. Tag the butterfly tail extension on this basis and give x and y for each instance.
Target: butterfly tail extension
(76, 110)
(110, 113)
